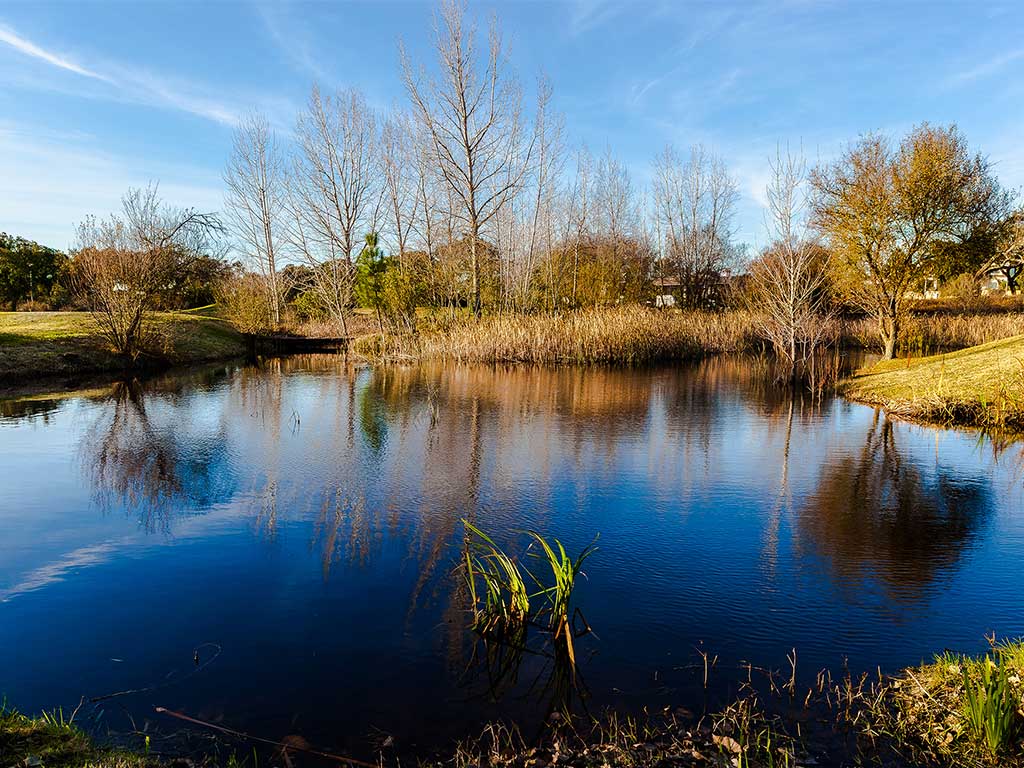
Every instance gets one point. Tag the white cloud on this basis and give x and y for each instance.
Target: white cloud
(19, 43)
(986, 68)
(131, 84)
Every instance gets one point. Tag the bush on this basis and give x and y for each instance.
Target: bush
(245, 303)
(34, 306)
(965, 291)
(309, 307)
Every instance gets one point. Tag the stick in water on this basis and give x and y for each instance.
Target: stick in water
(246, 736)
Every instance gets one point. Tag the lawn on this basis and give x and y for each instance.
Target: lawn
(46, 343)
(979, 386)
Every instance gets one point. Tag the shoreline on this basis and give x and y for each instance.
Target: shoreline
(50, 345)
(924, 714)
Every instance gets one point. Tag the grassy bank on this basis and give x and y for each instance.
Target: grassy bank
(978, 386)
(68, 343)
(50, 741)
(955, 710)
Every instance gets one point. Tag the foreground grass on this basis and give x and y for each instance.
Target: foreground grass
(978, 386)
(47, 343)
(50, 741)
(958, 710)
(939, 713)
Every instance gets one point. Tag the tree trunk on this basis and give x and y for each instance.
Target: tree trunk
(890, 334)
(476, 274)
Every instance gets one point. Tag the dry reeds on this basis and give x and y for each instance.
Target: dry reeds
(628, 335)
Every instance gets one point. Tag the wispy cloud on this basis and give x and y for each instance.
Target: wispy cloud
(986, 68)
(27, 47)
(130, 84)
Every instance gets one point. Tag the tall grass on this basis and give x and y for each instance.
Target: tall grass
(929, 333)
(631, 334)
(636, 334)
(989, 706)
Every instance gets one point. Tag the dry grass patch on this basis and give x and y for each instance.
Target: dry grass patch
(979, 386)
(617, 335)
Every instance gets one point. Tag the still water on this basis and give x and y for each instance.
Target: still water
(272, 547)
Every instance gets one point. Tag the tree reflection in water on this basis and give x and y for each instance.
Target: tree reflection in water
(141, 456)
(875, 514)
(705, 473)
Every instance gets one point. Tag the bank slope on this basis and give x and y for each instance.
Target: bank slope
(978, 386)
(63, 343)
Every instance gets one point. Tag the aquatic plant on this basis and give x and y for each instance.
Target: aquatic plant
(564, 571)
(502, 603)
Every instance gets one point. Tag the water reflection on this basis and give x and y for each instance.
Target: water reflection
(877, 513)
(146, 453)
(307, 510)
(430, 435)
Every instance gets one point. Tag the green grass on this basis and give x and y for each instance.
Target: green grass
(978, 386)
(959, 710)
(47, 343)
(56, 743)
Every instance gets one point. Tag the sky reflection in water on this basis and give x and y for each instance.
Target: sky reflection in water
(305, 516)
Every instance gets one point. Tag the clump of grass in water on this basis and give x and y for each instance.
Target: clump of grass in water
(503, 604)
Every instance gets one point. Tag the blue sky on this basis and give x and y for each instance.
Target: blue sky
(96, 97)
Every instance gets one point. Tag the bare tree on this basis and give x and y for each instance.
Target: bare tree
(471, 113)
(256, 202)
(550, 160)
(577, 218)
(789, 282)
(398, 149)
(696, 200)
(335, 198)
(122, 263)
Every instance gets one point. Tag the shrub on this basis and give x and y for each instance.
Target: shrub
(245, 304)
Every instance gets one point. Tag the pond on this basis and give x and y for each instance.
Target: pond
(273, 547)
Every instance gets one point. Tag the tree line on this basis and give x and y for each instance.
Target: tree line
(461, 202)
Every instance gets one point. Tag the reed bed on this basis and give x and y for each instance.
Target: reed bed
(935, 332)
(628, 335)
(636, 334)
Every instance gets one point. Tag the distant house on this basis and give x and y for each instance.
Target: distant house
(668, 291)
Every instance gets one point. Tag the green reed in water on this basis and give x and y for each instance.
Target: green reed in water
(503, 603)
(498, 587)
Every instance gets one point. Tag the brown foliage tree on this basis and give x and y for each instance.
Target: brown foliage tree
(887, 211)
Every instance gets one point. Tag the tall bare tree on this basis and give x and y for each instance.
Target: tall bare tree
(122, 263)
(334, 191)
(577, 215)
(695, 198)
(471, 113)
(789, 282)
(256, 201)
(398, 166)
(549, 163)
(887, 212)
